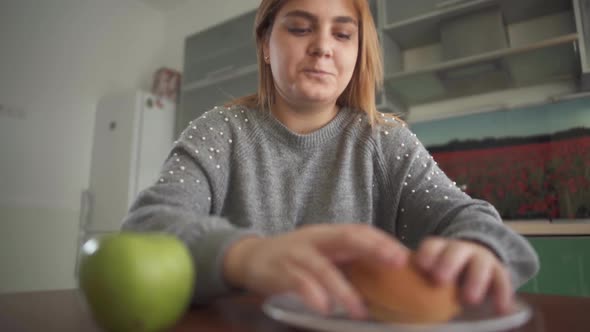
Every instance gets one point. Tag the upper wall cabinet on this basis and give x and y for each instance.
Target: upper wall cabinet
(582, 14)
(219, 65)
(438, 50)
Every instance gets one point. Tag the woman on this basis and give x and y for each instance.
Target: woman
(310, 149)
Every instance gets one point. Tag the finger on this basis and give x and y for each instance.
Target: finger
(305, 285)
(478, 278)
(429, 251)
(331, 279)
(353, 241)
(503, 293)
(452, 261)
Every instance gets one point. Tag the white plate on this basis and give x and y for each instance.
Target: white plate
(289, 309)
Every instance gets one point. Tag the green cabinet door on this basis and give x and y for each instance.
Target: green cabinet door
(565, 266)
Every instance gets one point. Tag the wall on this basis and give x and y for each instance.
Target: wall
(57, 58)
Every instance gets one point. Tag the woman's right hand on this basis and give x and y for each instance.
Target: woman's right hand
(305, 261)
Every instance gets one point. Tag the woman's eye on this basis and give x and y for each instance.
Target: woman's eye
(299, 31)
(343, 36)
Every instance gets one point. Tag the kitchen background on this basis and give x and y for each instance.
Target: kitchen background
(59, 58)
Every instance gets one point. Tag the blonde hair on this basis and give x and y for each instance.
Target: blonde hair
(367, 77)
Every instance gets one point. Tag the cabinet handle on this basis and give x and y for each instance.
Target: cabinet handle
(221, 72)
(450, 3)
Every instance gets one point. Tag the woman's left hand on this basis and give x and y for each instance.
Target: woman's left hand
(476, 266)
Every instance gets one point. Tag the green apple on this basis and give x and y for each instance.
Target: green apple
(136, 281)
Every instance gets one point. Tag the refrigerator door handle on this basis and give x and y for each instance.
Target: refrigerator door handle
(85, 208)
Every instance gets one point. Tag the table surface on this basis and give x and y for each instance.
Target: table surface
(65, 310)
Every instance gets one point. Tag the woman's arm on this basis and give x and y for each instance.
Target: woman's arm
(181, 202)
(431, 205)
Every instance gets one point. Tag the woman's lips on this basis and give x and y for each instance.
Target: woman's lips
(316, 73)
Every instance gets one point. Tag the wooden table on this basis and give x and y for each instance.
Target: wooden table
(66, 311)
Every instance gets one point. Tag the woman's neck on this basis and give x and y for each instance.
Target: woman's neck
(303, 120)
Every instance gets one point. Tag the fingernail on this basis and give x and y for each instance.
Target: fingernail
(473, 297)
(396, 258)
(443, 276)
(363, 313)
(323, 307)
(424, 263)
(388, 256)
(359, 311)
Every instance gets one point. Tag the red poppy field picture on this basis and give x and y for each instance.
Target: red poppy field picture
(541, 171)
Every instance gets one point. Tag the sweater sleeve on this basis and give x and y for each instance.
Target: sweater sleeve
(183, 201)
(431, 204)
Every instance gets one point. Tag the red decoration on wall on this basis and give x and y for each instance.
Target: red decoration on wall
(533, 180)
(166, 84)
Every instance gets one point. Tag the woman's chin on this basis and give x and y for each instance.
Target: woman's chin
(317, 97)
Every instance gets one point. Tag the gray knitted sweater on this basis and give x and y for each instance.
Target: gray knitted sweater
(236, 171)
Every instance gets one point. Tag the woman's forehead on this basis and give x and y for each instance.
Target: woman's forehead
(320, 9)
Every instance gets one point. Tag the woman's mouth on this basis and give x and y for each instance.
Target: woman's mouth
(316, 73)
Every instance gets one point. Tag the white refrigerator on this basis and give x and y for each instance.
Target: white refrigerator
(133, 134)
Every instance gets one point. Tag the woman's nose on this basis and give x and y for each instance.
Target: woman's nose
(321, 45)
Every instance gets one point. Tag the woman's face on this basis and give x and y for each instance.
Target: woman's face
(313, 47)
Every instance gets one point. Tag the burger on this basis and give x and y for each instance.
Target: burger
(402, 294)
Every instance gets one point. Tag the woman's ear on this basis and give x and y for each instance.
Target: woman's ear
(266, 51)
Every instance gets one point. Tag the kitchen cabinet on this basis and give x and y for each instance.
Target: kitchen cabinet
(565, 266)
(443, 50)
(219, 65)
